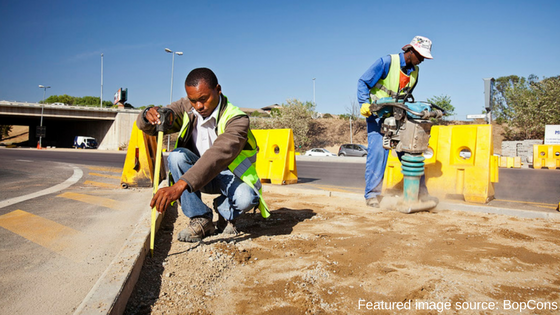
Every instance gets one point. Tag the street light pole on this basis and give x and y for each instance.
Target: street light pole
(314, 92)
(351, 129)
(101, 99)
(171, 92)
(42, 108)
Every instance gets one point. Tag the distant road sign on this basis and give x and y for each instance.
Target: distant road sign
(41, 131)
(552, 134)
(482, 116)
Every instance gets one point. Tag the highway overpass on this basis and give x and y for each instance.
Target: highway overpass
(110, 126)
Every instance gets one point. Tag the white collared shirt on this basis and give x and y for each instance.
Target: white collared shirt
(204, 132)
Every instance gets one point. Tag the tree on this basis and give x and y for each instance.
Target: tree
(73, 100)
(294, 115)
(259, 114)
(443, 101)
(501, 87)
(5, 131)
(526, 105)
(353, 110)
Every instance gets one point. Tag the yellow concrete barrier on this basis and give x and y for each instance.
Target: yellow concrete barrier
(276, 161)
(546, 155)
(461, 164)
(510, 162)
(138, 170)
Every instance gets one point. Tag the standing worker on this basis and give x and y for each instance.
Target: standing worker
(214, 153)
(389, 76)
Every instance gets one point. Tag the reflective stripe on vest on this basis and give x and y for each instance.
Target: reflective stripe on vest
(390, 86)
(240, 169)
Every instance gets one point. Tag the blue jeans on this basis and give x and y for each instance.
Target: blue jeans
(235, 197)
(376, 161)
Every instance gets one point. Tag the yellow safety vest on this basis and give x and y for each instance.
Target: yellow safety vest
(395, 81)
(243, 166)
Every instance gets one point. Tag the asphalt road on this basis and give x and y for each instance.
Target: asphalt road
(343, 175)
(530, 185)
(56, 243)
(86, 157)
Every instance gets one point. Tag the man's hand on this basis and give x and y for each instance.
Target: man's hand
(152, 116)
(365, 110)
(165, 196)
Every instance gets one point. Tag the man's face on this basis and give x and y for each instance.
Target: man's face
(415, 57)
(203, 98)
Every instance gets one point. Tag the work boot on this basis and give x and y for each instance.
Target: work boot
(224, 226)
(373, 202)
(198, 228)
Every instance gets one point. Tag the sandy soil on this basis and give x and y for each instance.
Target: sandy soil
(330, 255)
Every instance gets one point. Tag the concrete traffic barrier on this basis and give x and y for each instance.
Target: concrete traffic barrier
(276, 161)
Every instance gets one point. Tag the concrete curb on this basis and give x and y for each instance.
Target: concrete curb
(112, 290)
(530, 214)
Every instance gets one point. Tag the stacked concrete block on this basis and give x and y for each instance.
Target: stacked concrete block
(522, 149)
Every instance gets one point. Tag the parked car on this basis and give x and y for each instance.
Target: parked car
(319, 152)
(83, 142)
(352, 150)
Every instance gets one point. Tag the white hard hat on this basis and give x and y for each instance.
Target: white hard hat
(422, 45)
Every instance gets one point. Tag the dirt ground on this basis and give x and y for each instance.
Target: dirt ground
(331, 255)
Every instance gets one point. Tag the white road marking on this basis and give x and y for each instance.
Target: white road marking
(56, 188)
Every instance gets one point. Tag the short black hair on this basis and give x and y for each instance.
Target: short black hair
(201, 74)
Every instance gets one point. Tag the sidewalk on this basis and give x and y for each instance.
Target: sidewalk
(113, 289)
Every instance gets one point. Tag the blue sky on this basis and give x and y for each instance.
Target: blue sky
(265, 52)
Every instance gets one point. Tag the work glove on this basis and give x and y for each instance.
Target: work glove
(365, 110)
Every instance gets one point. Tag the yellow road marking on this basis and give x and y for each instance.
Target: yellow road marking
(94, 200)
(100, 184)
(44, 232)
(547, 207)
(105, 175)
(105, 169)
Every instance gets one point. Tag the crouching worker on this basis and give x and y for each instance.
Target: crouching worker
(215, 153)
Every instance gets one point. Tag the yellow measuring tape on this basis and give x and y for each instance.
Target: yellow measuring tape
(156, 186)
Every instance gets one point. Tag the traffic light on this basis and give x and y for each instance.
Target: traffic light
(488, 93)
